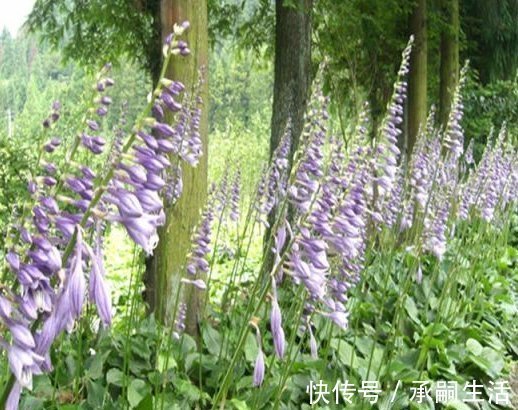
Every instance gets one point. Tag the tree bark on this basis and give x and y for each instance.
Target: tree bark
(292, 76)
(417, 80)
(449, 69)
(166, 267)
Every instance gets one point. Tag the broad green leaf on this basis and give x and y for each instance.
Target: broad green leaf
(212, 340)
(188, 344)
(401, 371)
(166, 362)
(411, 309)
(250, 348)
(474, 347)
(146, 403)
(137, 390)
(94, 365)
(42, 386)
(239, 404)
(95, 394)
(115, 377)
(346, 352)
(33, 403)
(188, 390)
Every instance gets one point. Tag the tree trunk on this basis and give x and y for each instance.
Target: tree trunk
(292, 77)
(417, 81)
(166, 267)
(449, 70)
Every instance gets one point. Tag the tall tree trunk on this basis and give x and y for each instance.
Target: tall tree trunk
(449, 70)
(166, 267)
(292, 77)
(417, 81)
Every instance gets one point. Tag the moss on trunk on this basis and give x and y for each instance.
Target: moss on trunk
(167, 265)
(417, 80)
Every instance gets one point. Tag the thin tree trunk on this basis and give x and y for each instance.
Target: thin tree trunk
(449, 70)
(166, 267)
(417, 81)
(292, 77)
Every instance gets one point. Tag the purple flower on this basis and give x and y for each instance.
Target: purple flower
(197, 262)
(197, 283)
(53, 280)
(76, 284)
(419, 275)
(170, 103)
(454, 135)
(13, 260)
(387, 152)
(340, 318)
(101, 111)
(149, 200)
(14, 397)
(98, 288)
(435, 228)
(312, 343)
(174, 185)
(163, 130)
(279, 340)
(143, 230)
(154, 182)
(234, 197)
(468, 155)
(21, 335)
(259, 369)
(180, 321)
(93, 125)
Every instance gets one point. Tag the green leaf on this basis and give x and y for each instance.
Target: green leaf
(212, 340)
(401, 371)
(490, 361)
(250, 348)
(146, 403)
(411, 309)
(190, 359)
(188, 390)
(239, 405)
(457, 405)
(115, 377)
(33, 403)
(346, 352)
(165, 362)
(95, 394)
(188, 344)
(140, 347)
(137, 390)
(474, 347)
(43, 387)
(94, 365)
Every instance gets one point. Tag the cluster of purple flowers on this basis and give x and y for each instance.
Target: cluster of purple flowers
(234, 196)
(492, 184)
(54, 265)
(338, 201)
(197, 263)
(272, 186)
(387, 152)
(453, 135)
